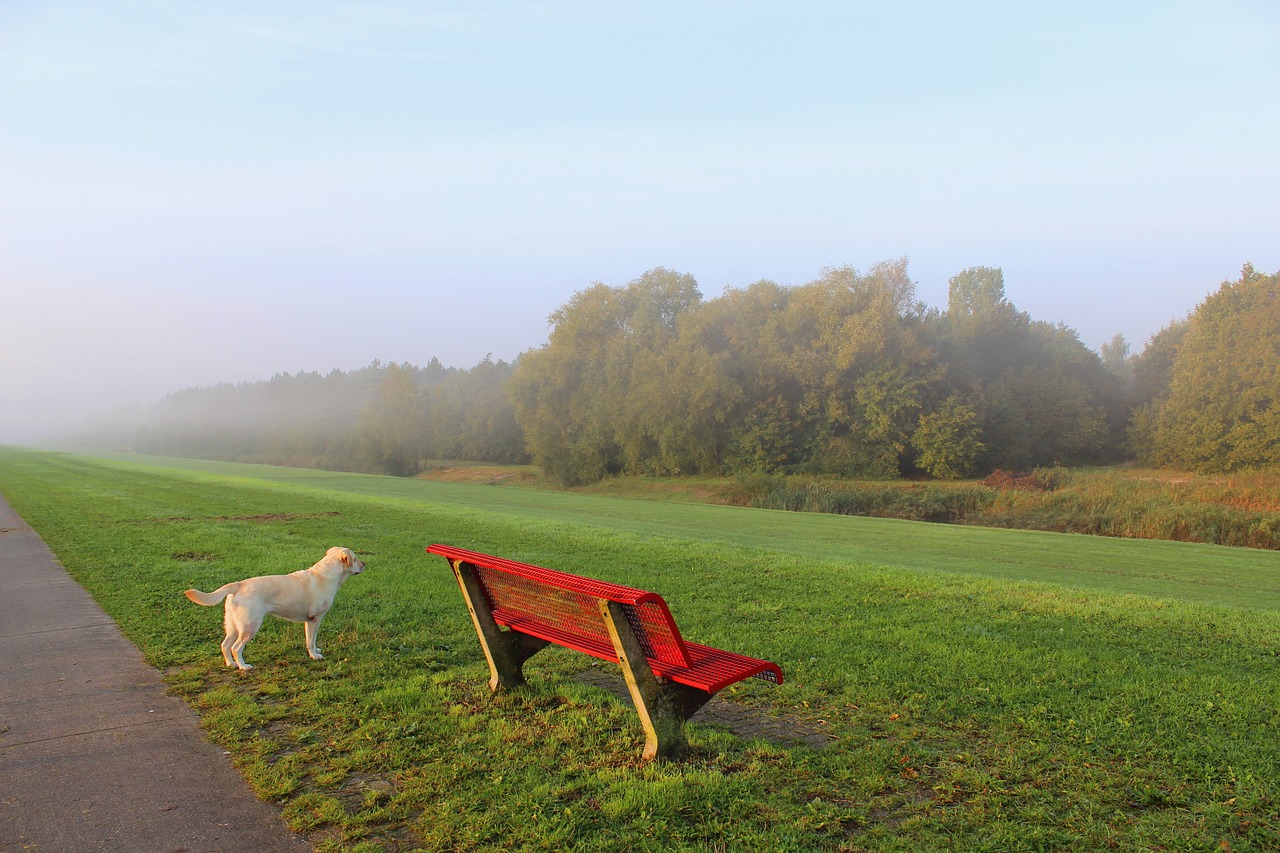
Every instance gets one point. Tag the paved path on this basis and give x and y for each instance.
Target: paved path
(93, 755)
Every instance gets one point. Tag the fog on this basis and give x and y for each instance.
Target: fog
(70, 357)
(196, 195)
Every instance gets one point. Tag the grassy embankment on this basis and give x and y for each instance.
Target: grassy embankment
(980, 689)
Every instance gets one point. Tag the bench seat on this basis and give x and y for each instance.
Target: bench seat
(709, 669)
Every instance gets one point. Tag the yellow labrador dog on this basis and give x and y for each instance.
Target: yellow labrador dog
(303, 596)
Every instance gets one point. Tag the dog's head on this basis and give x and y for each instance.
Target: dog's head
(351, 564)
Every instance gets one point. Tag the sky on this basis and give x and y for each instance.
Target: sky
(220, 191)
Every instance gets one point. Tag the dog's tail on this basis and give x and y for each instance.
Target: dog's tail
(208, 599)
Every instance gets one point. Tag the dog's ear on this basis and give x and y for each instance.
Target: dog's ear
(344, 556)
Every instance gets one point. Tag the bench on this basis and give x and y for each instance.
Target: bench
(519, 609)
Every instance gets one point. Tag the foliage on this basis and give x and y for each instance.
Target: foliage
(1152, 379)
(976, 689)
(1222, 412)
(382, 418)
(848, 375)
(592, 401)
(946, 441)
(391, 423)
(1138, 504)
(1043, 396)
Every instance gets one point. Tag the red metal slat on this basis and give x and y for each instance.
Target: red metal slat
(570, 640)
(656, 630)
(589, 586)
(714, 669)
(651, 619)
(568, 613)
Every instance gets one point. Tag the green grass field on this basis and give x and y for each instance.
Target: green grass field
(979, 689)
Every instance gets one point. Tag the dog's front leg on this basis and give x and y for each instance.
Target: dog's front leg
(312, 626)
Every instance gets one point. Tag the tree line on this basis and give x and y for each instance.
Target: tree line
(382, 418)
(849, 375)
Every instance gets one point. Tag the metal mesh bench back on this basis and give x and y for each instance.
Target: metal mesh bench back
(565, 608)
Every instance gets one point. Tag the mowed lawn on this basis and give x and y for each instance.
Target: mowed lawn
(977, 689)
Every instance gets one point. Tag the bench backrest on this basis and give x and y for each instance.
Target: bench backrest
(564, 608)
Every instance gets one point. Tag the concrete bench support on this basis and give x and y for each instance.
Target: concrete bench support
(506, 651)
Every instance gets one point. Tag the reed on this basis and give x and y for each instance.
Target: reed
(1129, 503)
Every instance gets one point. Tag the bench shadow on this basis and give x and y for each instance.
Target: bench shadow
(743, 721)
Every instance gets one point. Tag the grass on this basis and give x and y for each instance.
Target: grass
(1123, 501)
(980, 689)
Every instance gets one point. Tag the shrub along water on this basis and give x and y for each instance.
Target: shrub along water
(954, 504)
(1241, 510)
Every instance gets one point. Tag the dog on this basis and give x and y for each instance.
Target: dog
(304, 596)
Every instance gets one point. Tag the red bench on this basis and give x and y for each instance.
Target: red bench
(518, 610)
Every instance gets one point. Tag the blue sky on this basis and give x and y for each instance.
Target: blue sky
(200, 192)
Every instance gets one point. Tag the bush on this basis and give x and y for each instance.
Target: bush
(951, 504)
(1239, 512)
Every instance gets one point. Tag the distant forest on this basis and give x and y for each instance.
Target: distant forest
(849, 375)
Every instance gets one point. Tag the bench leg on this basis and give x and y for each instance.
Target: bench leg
(664, 706)
(506, 651)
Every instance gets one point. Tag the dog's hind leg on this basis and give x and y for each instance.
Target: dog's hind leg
(241, 626)
(227, 657)
(229, 626)
(237, 648)
(312, 628)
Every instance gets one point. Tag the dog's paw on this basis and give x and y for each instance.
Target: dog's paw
(316, 655)
(246, 666)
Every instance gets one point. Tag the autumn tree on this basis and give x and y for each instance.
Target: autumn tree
(760, 424)
(843, 369)
(1043, 396)
(947, 440)
(1223, 407)
(591, 400)
(1152, 380)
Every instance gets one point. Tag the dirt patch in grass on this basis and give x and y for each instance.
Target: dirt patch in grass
(892, 816)
(194, 556)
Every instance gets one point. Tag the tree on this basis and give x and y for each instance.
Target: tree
(888, 401)
(587, 400)
(470, 415)
(1223, 409)
(946, 440)
(1151, 384)
(1064, 424)
(747, 407)
(641, 359)
(977, 292)
(392, 423)
(1115, 358)
(858, 354)
(1041, 394)
(982, 334)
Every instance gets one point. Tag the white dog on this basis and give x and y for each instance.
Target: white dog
(303, 596)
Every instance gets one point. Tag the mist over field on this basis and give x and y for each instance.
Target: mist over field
(848, 376)
(224, 193)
